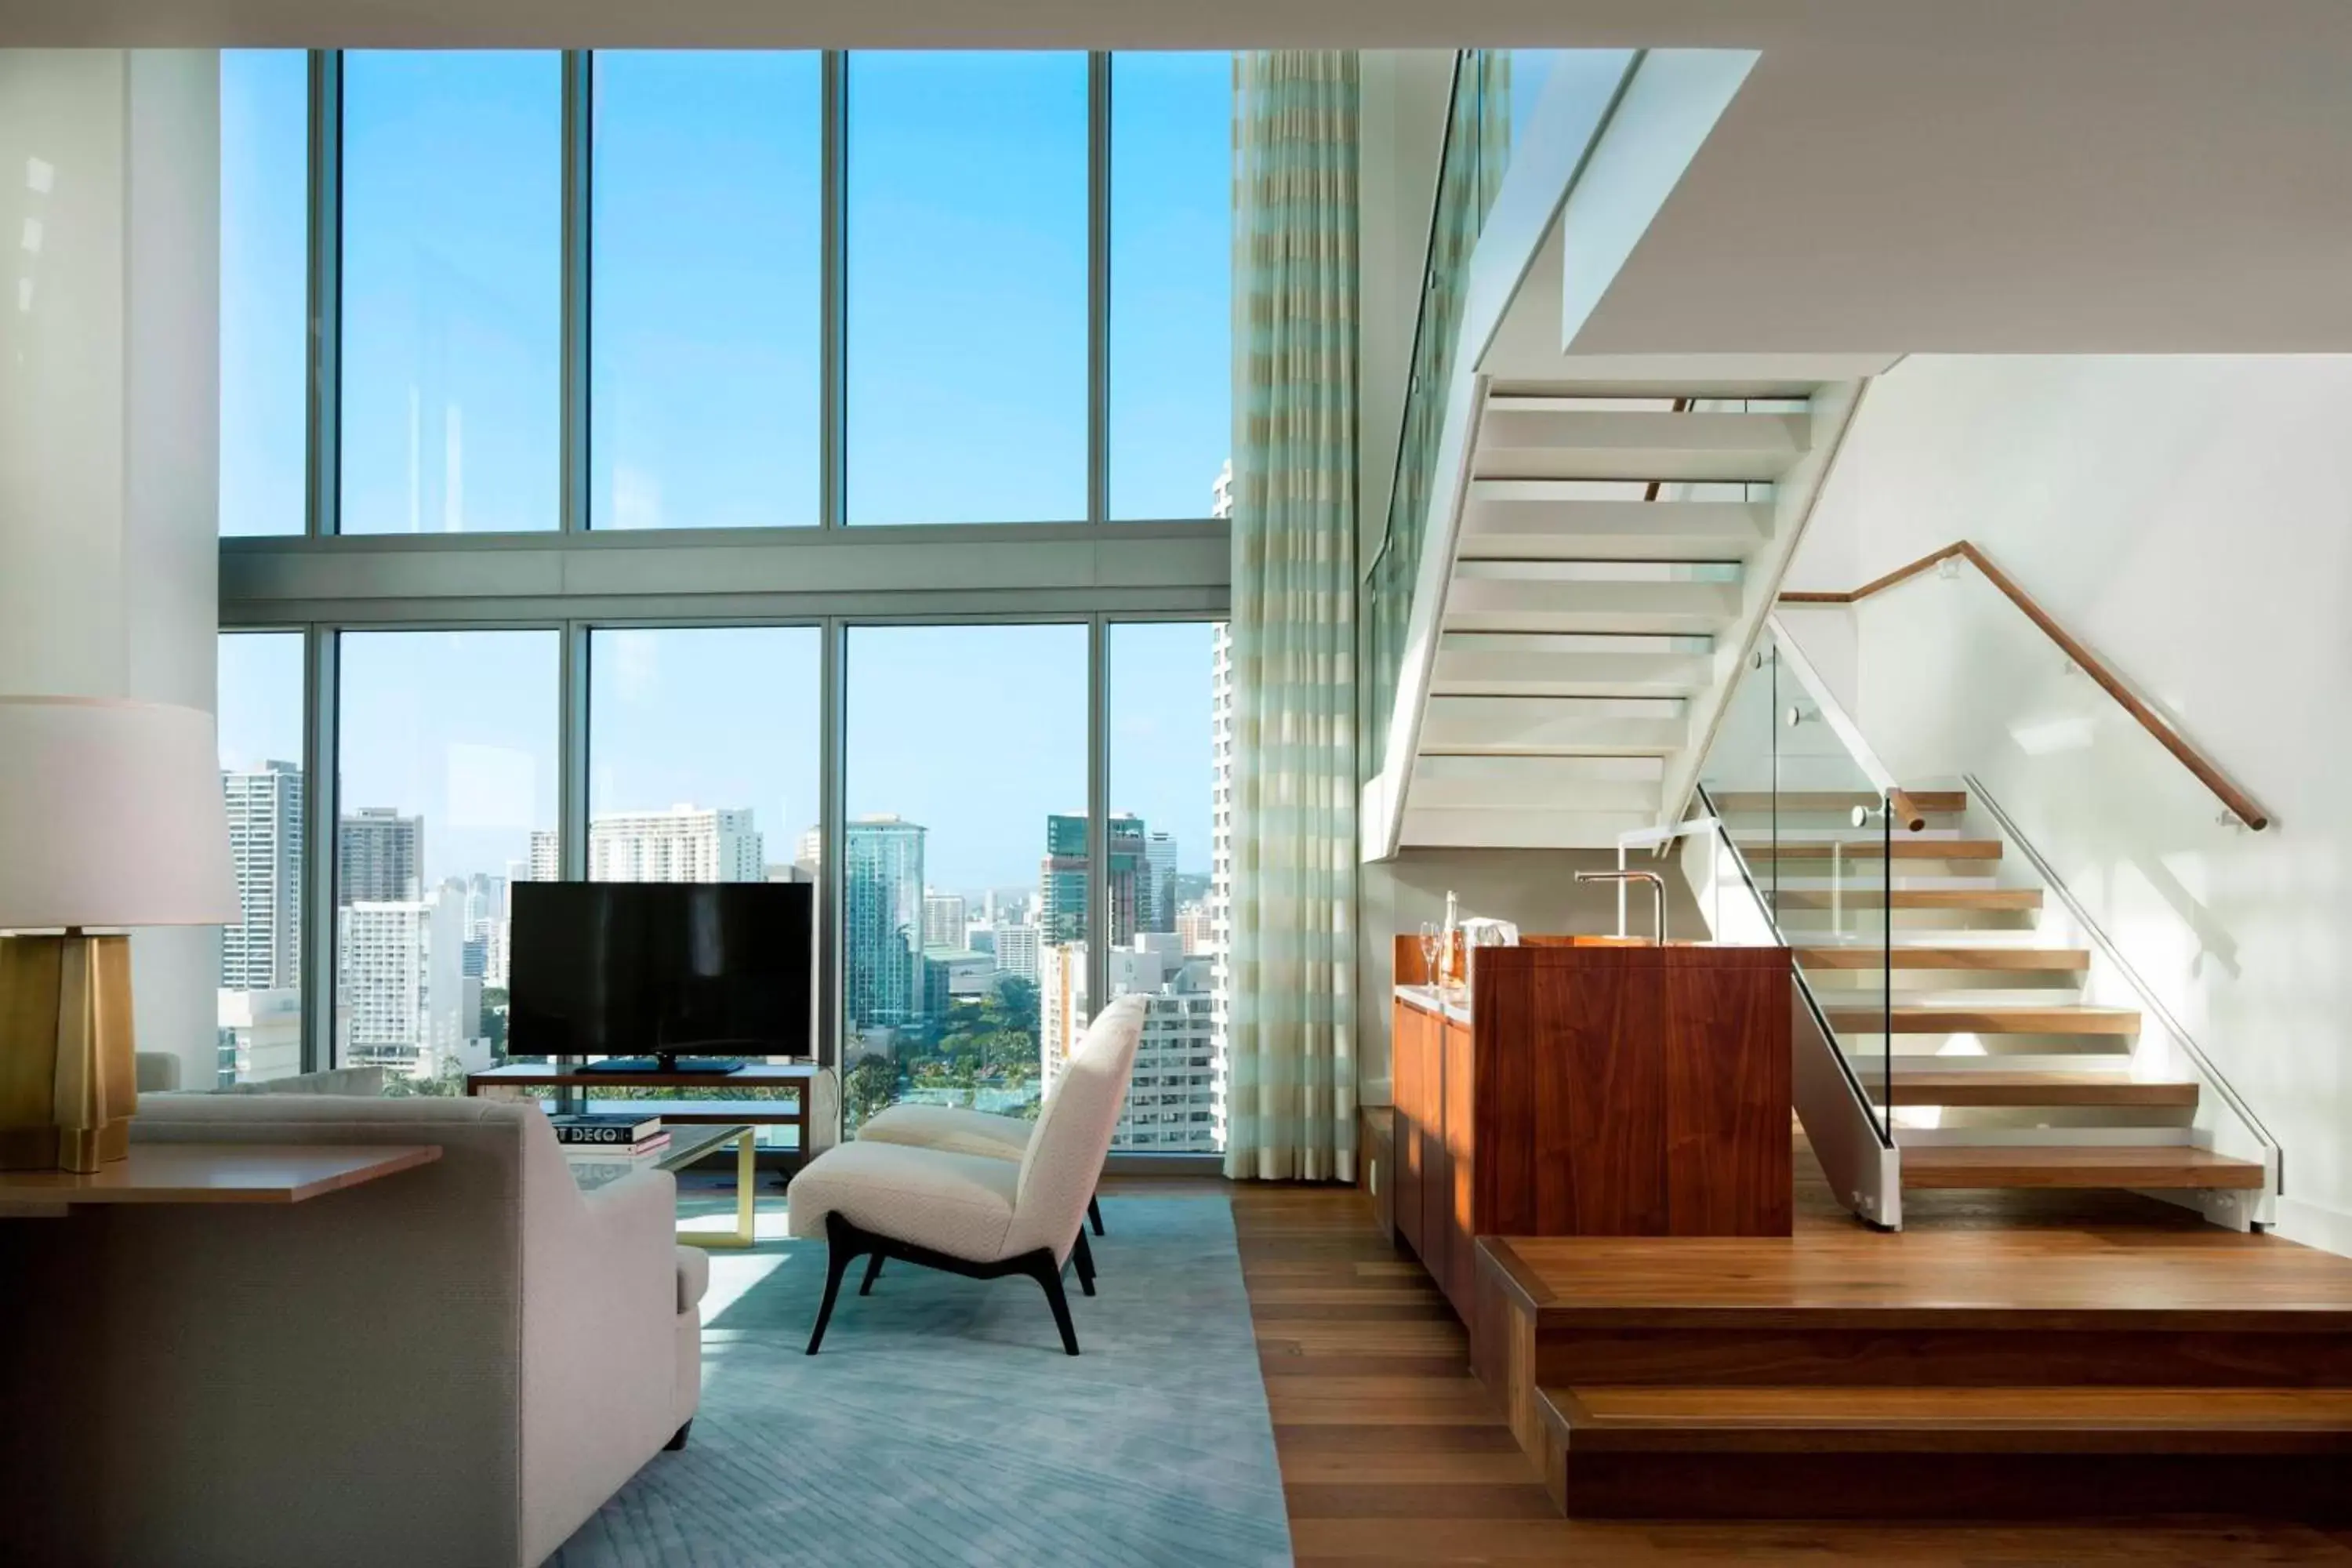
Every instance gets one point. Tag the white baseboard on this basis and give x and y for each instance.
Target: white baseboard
(2315, 1224)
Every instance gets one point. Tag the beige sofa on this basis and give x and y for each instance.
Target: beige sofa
(456, 1364)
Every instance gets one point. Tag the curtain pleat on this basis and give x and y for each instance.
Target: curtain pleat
(1292, 1035)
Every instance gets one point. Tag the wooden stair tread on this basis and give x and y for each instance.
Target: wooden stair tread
(2034, 1089)
(2046, 1418)
(1932, 800)
(1871, 849)
(2067, 1019)
(1869, 957)
(1913, 898)
(2162, 1165)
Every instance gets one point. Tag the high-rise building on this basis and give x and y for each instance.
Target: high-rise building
(1194, 930)
(486, 926)
(1017, 950)
(400, 972)
(379, 856)
(1156, 897)
(810, 851)
(546, 856)
(1173, 1100)
(1062, 877)
(684, 844)
(263, 951)
(943, 921)
(1221, 838)
(882, 936)
(260, 1035)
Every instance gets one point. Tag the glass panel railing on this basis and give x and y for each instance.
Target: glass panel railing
(1954, 679)
(1470, 170)
(1809, 819)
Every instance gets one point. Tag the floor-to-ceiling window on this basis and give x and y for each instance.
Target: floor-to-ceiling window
(451, 291)
(265, 326)
(967, 283)
(1171, 320)
(260, 718)
(1168, 739)
(446, 783)
(611, 301)
(963, 870)
(705, 310)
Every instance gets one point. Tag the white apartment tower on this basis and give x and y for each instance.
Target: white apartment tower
(684, 844)
(1017, 950)
(400, 974)
(546, 856)
(1174, 1101)
(944, 916)
(263, 951)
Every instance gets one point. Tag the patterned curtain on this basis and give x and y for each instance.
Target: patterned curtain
(1292, 1032)
(1477, 151)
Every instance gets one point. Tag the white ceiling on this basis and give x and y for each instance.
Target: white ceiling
(2126, 26)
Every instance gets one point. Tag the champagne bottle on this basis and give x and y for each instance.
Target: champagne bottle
(1450, 966)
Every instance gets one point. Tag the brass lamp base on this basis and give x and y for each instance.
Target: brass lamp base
(68, 1079)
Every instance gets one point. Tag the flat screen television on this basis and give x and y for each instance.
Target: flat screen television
(651, 972)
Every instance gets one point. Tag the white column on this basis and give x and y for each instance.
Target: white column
(109, 288)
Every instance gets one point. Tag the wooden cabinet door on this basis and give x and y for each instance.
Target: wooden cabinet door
(1461, 1277)
(1406, 1062)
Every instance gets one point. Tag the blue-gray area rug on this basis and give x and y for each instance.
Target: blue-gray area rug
(944, 1425)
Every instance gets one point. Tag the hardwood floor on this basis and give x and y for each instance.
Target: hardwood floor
(1393, 1453)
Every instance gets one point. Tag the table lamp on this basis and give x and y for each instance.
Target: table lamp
(110, 814)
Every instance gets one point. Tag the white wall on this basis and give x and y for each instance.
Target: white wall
(110, 251)
(2189, 519)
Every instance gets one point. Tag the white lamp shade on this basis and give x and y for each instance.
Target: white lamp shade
(110, 814)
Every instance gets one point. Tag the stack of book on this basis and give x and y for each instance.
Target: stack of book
(605, 1135)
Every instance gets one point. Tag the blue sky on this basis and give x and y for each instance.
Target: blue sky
(966, 286)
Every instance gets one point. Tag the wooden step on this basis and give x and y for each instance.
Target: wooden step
(2170, 1166)
(1912, 898)
(1938, 801)
(1871, 849)
(1962, 1453)
(1992, 1087)
(1990, 1020)
(2068, 959)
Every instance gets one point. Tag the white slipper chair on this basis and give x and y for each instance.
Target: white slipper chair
(979, 1215)
(956, 1130)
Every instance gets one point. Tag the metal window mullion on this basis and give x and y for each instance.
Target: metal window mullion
(1098, 154)
(1098, 926)
(579, 218)
(324, 284)
(832, 886)
(321, 810)
(572, 755)
(832, 292)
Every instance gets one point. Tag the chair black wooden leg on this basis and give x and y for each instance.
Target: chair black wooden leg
(1083, 1256)
(677, 1438)
(1048, 1274)
(1094, 1213)
(844, 1248)
(873, 1272)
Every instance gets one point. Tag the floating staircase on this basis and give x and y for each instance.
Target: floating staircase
(1583, 621)
(1999, 1073)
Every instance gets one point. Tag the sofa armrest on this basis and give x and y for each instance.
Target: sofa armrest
(599, 1339)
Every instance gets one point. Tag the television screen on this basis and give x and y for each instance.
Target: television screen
(644, 968)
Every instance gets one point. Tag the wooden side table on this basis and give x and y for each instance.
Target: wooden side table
(276, 1174)
(798, 1077)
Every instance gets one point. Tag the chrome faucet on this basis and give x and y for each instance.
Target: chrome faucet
(1657, 895)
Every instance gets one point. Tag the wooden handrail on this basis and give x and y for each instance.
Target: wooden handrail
(2242, 805)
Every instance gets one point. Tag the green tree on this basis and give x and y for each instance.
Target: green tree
(866, 1088)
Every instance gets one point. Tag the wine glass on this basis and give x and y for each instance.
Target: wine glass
(1433, 944)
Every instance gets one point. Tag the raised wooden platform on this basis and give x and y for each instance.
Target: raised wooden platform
(2023, 1355)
